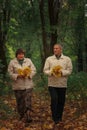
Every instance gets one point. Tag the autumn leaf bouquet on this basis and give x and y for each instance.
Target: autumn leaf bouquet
(25, 72)
(56, 71)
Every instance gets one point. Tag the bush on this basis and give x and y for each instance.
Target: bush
(77, 86)
(5, 86)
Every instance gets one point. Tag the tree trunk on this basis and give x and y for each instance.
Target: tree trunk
(4, 24)
(3, 61)
(80, 37)
(53, 7)
(85, 56)
(80, 59)
(45, 51)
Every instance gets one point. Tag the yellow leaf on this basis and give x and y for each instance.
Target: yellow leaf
(20, 71)
(25, 71)
(56, 71)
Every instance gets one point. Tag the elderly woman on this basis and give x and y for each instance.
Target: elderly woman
(21, 71)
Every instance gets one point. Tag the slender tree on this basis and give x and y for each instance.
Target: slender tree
(53, 8)
(5, 12)
(80, 35)
(43, 26)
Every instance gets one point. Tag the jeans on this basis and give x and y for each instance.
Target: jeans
(57, 102)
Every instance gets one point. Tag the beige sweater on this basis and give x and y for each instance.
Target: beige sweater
(21, 84)
(65, 63)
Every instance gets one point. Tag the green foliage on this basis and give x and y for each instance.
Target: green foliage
(40, 80)
(1, 65)
(25, 32)
(13, 31)
(5, 86)
(77, 86)
(10, 53)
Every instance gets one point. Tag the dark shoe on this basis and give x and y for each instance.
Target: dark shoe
(21, 118)
(58, 121)
(28, 122)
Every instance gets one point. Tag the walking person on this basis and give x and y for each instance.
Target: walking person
(57, 67)
(21, 71)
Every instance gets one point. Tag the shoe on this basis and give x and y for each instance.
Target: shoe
(29, 120)
(21, 118)
(58, 121)
(26, 124)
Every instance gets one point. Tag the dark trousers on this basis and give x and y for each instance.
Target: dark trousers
(23, 100)
(57, 102)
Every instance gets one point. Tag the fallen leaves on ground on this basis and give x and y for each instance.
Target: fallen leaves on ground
(74, 117)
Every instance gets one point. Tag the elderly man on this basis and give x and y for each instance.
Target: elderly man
(58, 67)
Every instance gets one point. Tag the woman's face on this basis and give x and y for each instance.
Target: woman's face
(20, 56)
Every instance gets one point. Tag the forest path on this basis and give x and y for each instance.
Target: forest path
(74, 117)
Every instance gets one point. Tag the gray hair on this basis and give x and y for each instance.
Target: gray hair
(59, 45)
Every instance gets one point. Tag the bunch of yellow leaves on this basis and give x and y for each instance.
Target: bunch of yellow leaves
(25, 71)
(56, 71)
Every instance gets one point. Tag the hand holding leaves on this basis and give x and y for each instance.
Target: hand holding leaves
(56, 71)
(25, 72)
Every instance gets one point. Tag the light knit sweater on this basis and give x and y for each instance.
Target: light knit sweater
(65, 63)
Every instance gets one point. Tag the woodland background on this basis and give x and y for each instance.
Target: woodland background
(35, 26)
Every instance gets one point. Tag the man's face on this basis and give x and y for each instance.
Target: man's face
(20, 56)
(57, 50)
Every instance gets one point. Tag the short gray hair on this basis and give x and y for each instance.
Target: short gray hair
(59, 45)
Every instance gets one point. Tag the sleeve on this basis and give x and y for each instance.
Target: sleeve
(47, 69)
(11, 72)
(33, 68)
(68, 70)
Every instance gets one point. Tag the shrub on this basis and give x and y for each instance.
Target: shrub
(77, 86)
